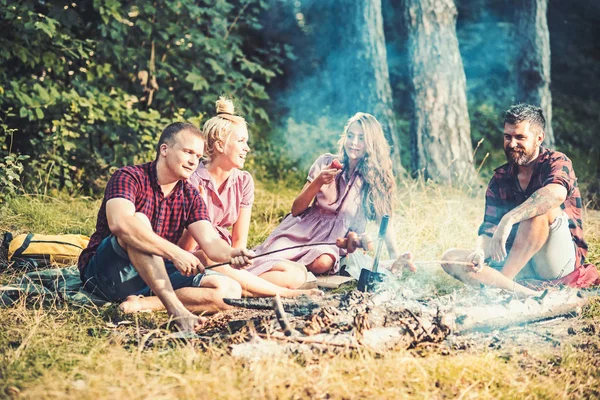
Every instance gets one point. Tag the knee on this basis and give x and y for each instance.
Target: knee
(297, 275)
(553, 214)
(321, 265)
(544, 220)
(226, 287)
(448, 259)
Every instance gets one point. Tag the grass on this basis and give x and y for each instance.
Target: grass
(58, 351)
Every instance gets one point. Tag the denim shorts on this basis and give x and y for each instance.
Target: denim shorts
(110, 274)
(554, 260)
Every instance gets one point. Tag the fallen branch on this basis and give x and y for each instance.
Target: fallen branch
(563, 310)
(305, 340)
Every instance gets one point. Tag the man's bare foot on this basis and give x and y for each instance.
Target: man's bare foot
(132, 304)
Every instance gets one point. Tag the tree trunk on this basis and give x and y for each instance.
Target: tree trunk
(358, 68)
(533, 60)
(440, 131)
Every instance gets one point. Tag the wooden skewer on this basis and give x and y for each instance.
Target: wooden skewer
(277, 251)
(443, 262)
(333, 244)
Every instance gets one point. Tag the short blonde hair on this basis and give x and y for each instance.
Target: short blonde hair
(220, 127)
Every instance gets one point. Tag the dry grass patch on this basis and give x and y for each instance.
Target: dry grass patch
(57, 351)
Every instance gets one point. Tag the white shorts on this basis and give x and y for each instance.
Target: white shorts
(555, 259)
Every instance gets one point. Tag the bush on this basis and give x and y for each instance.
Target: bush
(94, 82)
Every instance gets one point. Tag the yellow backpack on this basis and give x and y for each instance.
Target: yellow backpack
(45, 250)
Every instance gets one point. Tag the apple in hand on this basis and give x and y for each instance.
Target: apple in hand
(336, 164)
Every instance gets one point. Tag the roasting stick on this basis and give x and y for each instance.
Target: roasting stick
(334, 244)
(277, 251)
(424, 262)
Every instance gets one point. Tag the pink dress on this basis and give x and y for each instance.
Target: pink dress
(331, 215)
(224, 208)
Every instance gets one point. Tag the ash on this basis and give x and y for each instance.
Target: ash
(391, 318)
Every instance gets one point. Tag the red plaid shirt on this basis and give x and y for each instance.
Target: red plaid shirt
(139, 184)
(504, 194)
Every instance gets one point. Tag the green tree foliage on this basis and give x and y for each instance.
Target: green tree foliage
(93, 82)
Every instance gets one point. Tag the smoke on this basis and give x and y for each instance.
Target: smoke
(330, 80)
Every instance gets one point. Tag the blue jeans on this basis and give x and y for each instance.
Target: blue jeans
(110, 274)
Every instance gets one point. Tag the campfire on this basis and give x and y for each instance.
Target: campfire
(384, 320)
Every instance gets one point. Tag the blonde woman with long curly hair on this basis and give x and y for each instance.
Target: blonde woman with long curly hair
(335, 201)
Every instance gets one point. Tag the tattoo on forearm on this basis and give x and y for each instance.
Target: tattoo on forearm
(539, 203)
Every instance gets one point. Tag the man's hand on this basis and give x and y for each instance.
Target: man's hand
(187, 263)
(497, 245)
(476, 258)
(404, 261)
(241, 258)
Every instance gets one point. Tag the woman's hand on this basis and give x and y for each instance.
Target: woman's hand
(405, 261)
(326, 176)
(241, 258)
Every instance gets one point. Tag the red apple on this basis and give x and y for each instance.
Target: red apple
(336, 164)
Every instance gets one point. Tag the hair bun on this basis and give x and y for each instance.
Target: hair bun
(225, 105)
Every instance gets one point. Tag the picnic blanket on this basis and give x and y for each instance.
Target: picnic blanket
(49, 285)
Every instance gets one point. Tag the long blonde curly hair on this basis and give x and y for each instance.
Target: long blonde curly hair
(220, 127)
(379, 185)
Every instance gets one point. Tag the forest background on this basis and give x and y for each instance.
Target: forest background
(86, 87)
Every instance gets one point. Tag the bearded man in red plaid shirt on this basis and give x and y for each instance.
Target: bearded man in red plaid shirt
(532, 230)
(134, 250)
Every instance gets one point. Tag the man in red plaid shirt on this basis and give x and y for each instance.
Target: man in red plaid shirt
(134, 250)
(532, 229)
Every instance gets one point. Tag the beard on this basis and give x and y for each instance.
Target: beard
(519, 156)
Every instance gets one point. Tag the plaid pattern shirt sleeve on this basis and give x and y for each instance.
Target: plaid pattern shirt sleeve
(493, 209)
(123, 184)
(560, 171)
(198, 210)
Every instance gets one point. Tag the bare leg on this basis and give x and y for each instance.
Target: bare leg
(206, 299)
(255, 286)
(152, 270)
(322, 264)
(287, 274)
(531, 237)
(487, 276)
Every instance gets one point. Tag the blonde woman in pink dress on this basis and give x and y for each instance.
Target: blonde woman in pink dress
(336, 201)
(229, 193)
